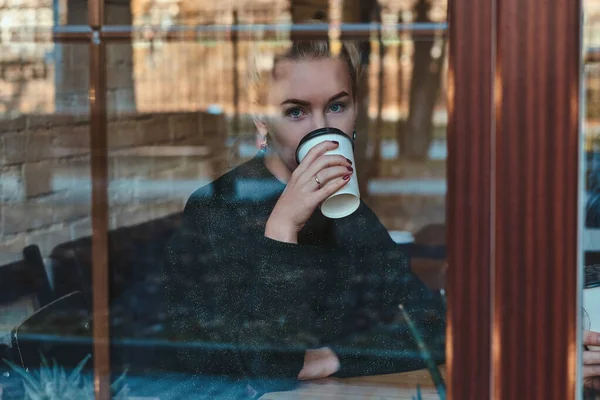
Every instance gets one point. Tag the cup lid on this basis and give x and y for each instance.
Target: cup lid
(319, 132)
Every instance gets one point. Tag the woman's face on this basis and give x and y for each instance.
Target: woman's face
(304, 96)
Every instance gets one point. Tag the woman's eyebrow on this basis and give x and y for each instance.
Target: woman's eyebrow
(306, 103)
(338, 96)
(295, 101)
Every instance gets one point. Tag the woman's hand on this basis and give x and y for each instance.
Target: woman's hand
(591, 360)
(319, 364)
(304, 193)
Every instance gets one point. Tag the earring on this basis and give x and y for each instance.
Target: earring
(353, 135)
(264, 144)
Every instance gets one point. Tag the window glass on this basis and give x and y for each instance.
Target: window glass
(45, 198)
(225, 264)
(241, 259)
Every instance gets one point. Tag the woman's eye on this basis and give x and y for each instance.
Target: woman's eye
(295, 113)
(337, 107)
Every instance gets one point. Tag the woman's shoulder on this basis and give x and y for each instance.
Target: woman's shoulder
(223, 188)
(244, 186)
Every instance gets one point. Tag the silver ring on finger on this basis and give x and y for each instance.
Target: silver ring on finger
(318, 181)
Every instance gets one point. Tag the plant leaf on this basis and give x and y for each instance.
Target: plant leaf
(56, 374)
(88, 387)
(45, 376)
(119, 387)
(122, 394)
(36, 385)
(44, 362)
(76, 373)
(119, 381)
(62, 381)
(32, 394)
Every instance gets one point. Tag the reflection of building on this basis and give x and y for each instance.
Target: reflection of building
(198, 65)
(210, 65)
(45, 181)
(26, 71)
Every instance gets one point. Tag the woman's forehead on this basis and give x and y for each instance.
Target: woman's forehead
(309, 78)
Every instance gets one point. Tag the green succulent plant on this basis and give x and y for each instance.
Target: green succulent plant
(52, 382)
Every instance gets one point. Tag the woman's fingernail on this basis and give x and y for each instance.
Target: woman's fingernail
(346, 177)
(349, 160)
(335, 141)
(350, 169)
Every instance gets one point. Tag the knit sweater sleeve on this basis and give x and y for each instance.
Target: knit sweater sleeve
(372, 337)
(375, 339)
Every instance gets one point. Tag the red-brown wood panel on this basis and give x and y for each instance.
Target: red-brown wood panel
(470, 99)
(99, 161)
(95, 13)
(535, 199)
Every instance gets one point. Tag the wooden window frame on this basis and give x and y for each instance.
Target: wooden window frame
(513, 199)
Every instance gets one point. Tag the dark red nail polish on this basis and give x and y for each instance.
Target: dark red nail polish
(349, 160)
(346, 177)
(350, 169)
(335, 141)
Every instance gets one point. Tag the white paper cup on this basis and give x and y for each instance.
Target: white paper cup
(346, 200)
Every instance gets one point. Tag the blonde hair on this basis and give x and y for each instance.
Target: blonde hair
(301, 50)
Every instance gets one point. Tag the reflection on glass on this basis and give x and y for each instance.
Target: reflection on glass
(591, 228)
(244, 306)
(44, 201)
(209, 295)
(26, 76)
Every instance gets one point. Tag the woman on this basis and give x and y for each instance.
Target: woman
(280, 292)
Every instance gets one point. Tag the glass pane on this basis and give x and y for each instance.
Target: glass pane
(591, 195)
(226, 274)
(45, 192)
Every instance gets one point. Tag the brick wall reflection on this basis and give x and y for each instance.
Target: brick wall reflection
(155, 162)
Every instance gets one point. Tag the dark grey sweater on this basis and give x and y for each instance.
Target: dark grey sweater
(254, 305)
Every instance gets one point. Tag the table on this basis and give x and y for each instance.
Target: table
(378, 387)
